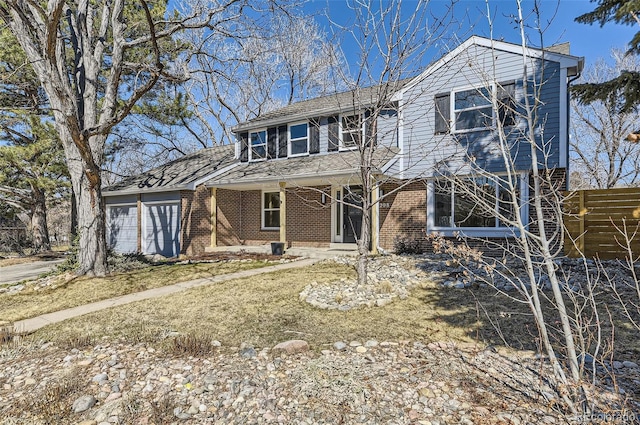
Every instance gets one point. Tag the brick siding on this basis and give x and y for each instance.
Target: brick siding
(229, 219)
(195, 221)
(402, 213)
(240, 218)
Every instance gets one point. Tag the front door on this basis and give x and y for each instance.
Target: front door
(351, 214)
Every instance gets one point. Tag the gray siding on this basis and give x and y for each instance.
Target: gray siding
(476, 67)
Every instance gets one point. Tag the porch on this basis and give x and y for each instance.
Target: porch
(334, 250)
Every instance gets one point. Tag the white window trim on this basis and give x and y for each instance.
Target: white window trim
(479, 232)
(452, 106)
(266, 145)
(262, 210)
(341, 146)
(290, 140)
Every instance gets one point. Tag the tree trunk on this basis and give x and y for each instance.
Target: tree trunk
(86, 183)
(73, 231)
(92, 255)
(363, 243)
(39, 230)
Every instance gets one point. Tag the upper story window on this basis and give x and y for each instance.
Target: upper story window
(472, 109)
(258, 148)
(351, 131)
(298, 139)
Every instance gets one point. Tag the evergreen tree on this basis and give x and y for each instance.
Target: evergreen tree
(625, 88)
(32, 166)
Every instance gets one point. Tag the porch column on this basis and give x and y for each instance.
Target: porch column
(374, 220)
(214, 217)
(283, 212)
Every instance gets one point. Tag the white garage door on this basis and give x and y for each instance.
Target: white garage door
(161, 229)
(122, 228)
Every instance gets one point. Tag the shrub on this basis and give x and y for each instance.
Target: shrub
(192, 345)
(126, 262)
(407, 245)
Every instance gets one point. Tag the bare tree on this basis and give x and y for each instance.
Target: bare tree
(508, 198)
(275, 57)
(600, 151)
(95, 62)
(275, 60)
(392, 47)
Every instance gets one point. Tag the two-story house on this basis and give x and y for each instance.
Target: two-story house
(294, 174)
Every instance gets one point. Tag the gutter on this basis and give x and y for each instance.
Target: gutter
(142, 190)
(285, 119)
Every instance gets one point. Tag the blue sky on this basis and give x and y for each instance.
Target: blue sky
(590, 41)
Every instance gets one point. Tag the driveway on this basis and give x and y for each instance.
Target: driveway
(11, 274)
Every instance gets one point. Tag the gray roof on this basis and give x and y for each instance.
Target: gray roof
(183, 173)
(288, 169)
(351, 100)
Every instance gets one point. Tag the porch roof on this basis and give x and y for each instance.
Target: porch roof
(313, 167)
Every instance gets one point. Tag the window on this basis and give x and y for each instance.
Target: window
(472, 109)
(270, 210)
(298, 139)
(258, 142)
(352, 131)
(474, 203)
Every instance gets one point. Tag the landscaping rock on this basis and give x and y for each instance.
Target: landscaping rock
(291, 347)
(410, 382)
(248, 352)
(339, 345)
(83, 403)
(389, 278)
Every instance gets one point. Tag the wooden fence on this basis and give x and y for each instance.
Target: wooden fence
(595, 220)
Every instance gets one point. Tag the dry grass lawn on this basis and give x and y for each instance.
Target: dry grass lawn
(84, 290)
(265, 309)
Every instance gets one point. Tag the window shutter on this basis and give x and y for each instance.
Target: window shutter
(442, 113)
(244, 147)
(370, 129)
(282, 141)
(507, 103)
(314, 135)
(272, 142)
(334, 133)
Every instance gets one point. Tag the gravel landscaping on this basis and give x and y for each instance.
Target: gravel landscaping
(186, 375)
(351, 383)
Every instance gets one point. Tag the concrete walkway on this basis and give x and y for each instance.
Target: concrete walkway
(30, 325)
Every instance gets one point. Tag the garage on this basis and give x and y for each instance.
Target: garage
(161, 224)
(122, 224)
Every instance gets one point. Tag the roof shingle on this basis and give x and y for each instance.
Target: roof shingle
(179, 174)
